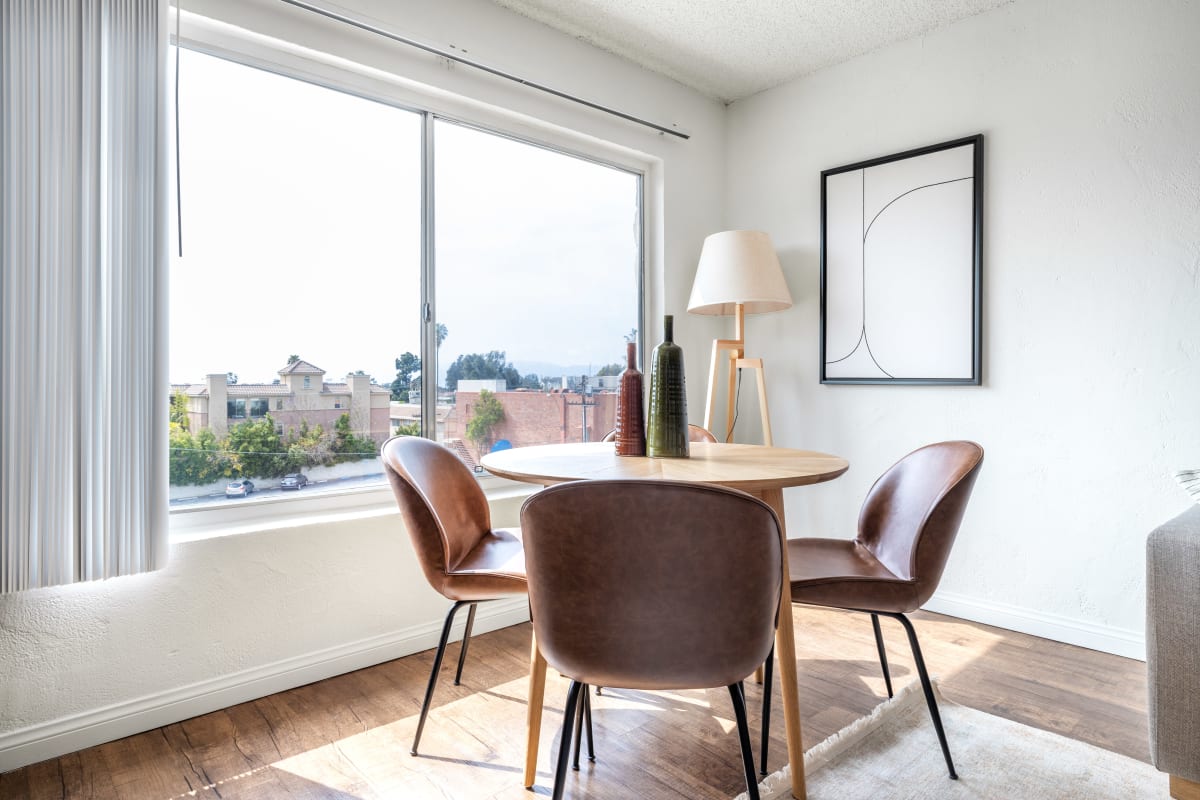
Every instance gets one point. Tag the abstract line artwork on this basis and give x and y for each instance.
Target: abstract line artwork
(901, 253)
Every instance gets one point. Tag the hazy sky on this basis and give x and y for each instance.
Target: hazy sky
(301, 234)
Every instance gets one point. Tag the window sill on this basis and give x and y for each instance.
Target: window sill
(281, 513)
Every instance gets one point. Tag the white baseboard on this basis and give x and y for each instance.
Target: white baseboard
(67, 734)
(1105, 638)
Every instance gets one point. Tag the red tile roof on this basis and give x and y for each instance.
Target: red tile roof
(301, 367)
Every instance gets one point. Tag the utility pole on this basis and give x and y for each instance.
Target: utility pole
(585, 402)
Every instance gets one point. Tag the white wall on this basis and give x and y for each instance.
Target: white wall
(240, 616)
(1091, 395)
(1092, 346)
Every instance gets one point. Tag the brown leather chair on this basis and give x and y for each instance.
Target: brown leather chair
(652, 585)
(695, 434)
(448, 520)
(905, 531)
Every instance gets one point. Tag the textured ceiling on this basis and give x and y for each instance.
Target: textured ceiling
(730, 49)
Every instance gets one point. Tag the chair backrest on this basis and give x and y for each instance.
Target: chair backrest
(695, 434)
(444, 510)
(911, 515)
(652, 584)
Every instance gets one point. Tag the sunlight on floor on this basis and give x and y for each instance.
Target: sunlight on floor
(475, 746)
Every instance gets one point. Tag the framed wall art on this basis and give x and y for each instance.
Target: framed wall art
(901, 262)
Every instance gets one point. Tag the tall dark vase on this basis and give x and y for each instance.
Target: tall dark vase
(631, 420)
(667, 431)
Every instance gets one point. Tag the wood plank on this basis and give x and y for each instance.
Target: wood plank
(348, 737)
(1183, 789)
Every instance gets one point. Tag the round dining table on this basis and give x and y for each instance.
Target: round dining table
(758, 470)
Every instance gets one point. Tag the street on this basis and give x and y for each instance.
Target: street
(314, 487)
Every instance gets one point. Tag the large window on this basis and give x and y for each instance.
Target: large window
(538, 257)
(298, 305)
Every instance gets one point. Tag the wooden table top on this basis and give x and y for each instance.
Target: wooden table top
(749, 467)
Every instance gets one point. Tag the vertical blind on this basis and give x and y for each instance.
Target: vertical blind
(83, 379)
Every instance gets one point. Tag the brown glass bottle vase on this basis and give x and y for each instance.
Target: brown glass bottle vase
(631, 420)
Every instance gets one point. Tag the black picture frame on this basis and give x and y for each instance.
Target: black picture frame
(917, 285)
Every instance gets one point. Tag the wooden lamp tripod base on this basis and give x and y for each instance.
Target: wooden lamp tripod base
(733, 352)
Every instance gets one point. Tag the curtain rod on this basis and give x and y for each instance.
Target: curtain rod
(490, 70)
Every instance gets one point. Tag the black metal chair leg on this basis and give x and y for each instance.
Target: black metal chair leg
(739, 713)
(587, 709)
(564, 745)
(579, 726)
(768, 682)
(887, 675)
(433, 675)
(462, 654)
(928, 688)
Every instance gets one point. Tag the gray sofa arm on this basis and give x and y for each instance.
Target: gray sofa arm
(1173, 644)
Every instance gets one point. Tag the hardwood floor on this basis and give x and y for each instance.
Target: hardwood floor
(349, 736)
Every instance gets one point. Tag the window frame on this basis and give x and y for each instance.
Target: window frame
(297, 62)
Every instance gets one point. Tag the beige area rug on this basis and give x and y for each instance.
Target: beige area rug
(894, 753)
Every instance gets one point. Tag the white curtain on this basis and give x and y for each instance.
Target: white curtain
(83, 381)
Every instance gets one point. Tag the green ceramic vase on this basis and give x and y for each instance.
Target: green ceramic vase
(667, 428)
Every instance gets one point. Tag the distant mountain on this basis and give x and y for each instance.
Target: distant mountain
(546, 369)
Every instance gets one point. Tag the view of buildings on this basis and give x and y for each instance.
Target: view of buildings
(300, 395)
(223, 428)
(533, 417)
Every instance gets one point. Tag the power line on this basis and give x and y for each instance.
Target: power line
(331, 454)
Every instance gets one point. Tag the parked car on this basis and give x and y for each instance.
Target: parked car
(239, 489)
(295, 480)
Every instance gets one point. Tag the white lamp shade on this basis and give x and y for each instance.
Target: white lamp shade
(739, 267)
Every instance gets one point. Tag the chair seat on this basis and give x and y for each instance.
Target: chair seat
(493, 568)
(841, 573)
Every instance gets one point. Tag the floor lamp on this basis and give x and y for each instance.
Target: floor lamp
(738, 274)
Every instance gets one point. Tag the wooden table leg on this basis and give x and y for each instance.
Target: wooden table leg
(785, 655)
(537, 692)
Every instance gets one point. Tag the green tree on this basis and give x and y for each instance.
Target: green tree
(348, 447)
(179, 411)
(256, 449)
(198, 459)
(308, 447)
(611, 369)
(411, 429)
(531, 381)
(487, 413)
(407, 366)
(482, 366)
(292, 359)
